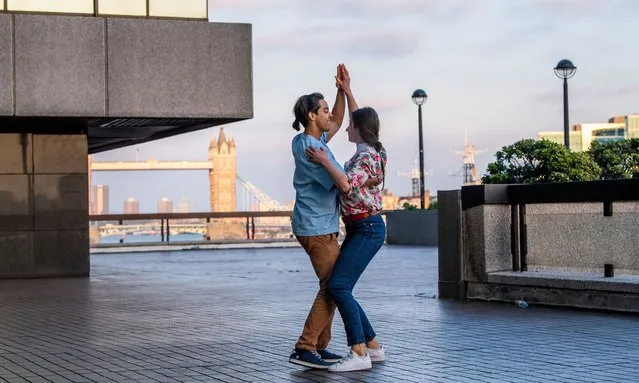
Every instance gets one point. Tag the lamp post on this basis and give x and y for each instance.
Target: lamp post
(565, 70)
(419, 98)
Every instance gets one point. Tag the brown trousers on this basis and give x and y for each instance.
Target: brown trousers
(323, 251)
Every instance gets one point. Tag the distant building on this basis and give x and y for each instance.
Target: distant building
(100, 199)
(89, 161)
(131, 206)
(184, 206)
(389, 200)
(165, 205)
(582, 135)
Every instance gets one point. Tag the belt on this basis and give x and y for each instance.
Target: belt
(357, 217)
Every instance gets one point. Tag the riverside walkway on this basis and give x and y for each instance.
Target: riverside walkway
(234, 315)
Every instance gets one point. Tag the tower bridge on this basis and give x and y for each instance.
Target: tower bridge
(223, 177)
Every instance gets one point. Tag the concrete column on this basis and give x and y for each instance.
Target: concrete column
(44, 228)
(450, 245)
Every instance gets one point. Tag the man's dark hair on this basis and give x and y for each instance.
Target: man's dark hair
(305, 104)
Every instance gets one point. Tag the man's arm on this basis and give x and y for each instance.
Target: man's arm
(340, 103)
(338, 114)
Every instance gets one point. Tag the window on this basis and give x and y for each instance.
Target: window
(122, 7)
(58, 6)
(195, 9)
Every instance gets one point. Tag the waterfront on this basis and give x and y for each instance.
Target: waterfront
(129, 238)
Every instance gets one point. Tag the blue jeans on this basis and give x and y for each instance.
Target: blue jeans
(363, 240)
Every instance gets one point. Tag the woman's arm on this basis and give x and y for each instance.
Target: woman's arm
(361, 176)
(337, 175)
(350, 98)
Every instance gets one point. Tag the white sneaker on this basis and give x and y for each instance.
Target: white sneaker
(376, 354)
(352, 362)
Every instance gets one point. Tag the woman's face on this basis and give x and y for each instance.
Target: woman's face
(353, 133)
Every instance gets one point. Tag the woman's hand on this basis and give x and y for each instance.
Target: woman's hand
(317, 155)
(372, 181)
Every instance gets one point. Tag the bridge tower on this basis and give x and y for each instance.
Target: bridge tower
(222, 153)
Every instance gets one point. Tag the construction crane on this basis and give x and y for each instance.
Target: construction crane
(414, 176)
(469, 170)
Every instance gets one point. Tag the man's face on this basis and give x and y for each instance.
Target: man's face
(323, 117)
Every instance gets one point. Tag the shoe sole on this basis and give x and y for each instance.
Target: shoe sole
(308, 364)
(332, 360)
(379, 360)
(352, 369)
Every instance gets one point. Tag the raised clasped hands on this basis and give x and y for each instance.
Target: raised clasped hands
(343, 78)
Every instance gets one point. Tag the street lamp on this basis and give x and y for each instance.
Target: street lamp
(565, 70)
(419, 98)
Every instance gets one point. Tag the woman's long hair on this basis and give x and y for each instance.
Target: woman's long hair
(366, 121)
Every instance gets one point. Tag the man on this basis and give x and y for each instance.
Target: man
(316, 215)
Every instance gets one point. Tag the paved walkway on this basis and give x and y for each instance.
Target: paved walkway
(234, 315)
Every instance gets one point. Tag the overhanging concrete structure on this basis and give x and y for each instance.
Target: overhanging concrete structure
(76, 85)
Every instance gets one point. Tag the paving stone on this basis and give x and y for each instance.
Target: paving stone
(234, 316)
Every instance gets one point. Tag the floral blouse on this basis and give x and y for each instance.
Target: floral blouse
(364, 164)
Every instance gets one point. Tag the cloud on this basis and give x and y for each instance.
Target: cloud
(366, 42)
(389, 9)
(587, 92)
(243, 5)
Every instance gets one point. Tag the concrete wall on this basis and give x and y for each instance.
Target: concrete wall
(568, 245)
(43, 206)
(76, 66)
(578, 237)
(486, 241)
(451, 284)
(411, 227)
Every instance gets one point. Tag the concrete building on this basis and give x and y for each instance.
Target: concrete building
(582, 135)
(79, 77)
(131, 206)
(389, 200)
(100, 198)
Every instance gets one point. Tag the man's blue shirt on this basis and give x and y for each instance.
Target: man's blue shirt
(316, 198)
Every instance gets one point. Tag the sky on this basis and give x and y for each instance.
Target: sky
(487, 67)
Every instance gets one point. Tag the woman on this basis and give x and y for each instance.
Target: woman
(360, 206)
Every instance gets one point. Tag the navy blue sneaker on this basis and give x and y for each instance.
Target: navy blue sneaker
(328, 356)
(308, 358)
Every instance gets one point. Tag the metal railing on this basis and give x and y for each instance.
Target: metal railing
(167, 221)
(166, 218)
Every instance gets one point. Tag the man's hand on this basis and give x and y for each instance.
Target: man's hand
(339, 82)
(343, 78)
(317, 155)
(346, 79)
